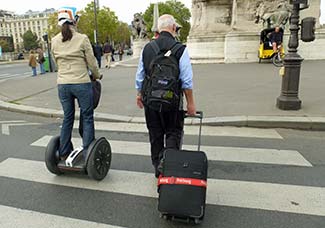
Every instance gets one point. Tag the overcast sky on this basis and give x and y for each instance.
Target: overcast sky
(124, 9)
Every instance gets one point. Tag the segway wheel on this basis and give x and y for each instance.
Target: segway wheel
(52, 155)
(99, 159)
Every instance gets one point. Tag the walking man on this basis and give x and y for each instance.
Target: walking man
(107, 53)
(157, 94)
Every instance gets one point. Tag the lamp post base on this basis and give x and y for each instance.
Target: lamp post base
(288, 103)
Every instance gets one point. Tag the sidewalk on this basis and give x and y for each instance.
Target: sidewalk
(229, 94)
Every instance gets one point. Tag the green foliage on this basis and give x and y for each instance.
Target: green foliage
(173, 7)
(109, 27)
(7, 44)
(4, 45)
(123, 34)
(30, 40)
(53, 26)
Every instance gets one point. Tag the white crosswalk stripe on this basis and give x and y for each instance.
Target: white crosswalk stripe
(14, 217)
(13, 76)
(274, 197)
(193, 130)
(256, 195)
(214, 153)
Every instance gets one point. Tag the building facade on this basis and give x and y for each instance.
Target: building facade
(16, 25)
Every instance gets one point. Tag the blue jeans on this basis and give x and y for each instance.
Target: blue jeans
(41, 65)
(34, 71)
(84, 94)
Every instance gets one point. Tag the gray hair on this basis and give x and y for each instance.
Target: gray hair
(166, 21)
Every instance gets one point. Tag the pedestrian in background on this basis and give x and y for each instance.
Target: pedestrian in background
(33, 62)
(120, 52)
(41, 60)
(113, 51)
(98, 53)
(108, 54)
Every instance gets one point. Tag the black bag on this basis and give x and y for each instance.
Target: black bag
(161, 89)
(97, 90)
(182, 184)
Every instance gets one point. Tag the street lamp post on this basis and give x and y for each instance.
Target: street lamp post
(46, 39)
(96, 25)
(289, 100)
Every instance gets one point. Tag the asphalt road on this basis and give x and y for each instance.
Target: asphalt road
(219, 89)
(15, 70)
(21, 69)
(281, 185)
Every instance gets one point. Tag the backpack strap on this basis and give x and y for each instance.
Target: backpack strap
(176, 48)
(155, 47)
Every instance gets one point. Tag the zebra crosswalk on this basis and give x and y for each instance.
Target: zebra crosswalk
(270, 197)
(293, 198)
(37, 220)
(193, 130)
(7, 75)
(214, 153)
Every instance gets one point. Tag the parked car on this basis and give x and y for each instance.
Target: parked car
(129, 51)
(20, 56)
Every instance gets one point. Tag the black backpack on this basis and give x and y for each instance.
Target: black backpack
(161, 89)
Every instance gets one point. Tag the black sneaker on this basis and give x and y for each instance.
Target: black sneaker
(157, 172)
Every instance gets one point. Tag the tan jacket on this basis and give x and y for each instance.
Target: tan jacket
(74, 57)
(32, 60)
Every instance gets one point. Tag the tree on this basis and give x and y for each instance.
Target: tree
(7, 44)
(176, 8)
(109, 27)
(107, 23)
(53, 26)
(30, 40)
(123, 34)
(4, 45)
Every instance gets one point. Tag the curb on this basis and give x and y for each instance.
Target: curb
(292, 122)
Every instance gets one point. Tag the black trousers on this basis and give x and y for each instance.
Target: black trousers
(165, 131)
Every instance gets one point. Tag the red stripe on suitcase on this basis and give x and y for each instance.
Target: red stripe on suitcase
(182, 181)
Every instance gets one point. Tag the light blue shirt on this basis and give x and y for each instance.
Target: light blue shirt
(185, 68)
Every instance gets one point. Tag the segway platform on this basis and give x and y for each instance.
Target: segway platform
(96, 165)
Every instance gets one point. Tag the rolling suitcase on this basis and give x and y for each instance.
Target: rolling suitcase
(183, 182)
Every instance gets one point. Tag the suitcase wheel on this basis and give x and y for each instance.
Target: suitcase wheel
(197, 221)
(166, 217)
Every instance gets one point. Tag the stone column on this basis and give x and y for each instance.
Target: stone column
(225, 30)
(234, 14)
(138, 45)
(211, 22)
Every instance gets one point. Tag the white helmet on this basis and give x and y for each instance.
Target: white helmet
(67, 14)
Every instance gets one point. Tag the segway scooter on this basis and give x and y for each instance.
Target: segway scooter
(96, 164)
(99, 154)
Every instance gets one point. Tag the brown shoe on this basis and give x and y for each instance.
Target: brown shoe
(63, 158)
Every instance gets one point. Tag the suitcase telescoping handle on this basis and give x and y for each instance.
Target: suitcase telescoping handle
(198, 115)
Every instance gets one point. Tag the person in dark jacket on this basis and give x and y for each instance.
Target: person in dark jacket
(276, 38)
(98, 53)
(108, 53)
(166, 128)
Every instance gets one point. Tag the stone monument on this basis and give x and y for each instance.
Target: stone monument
(228, 30)
(139, 34)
